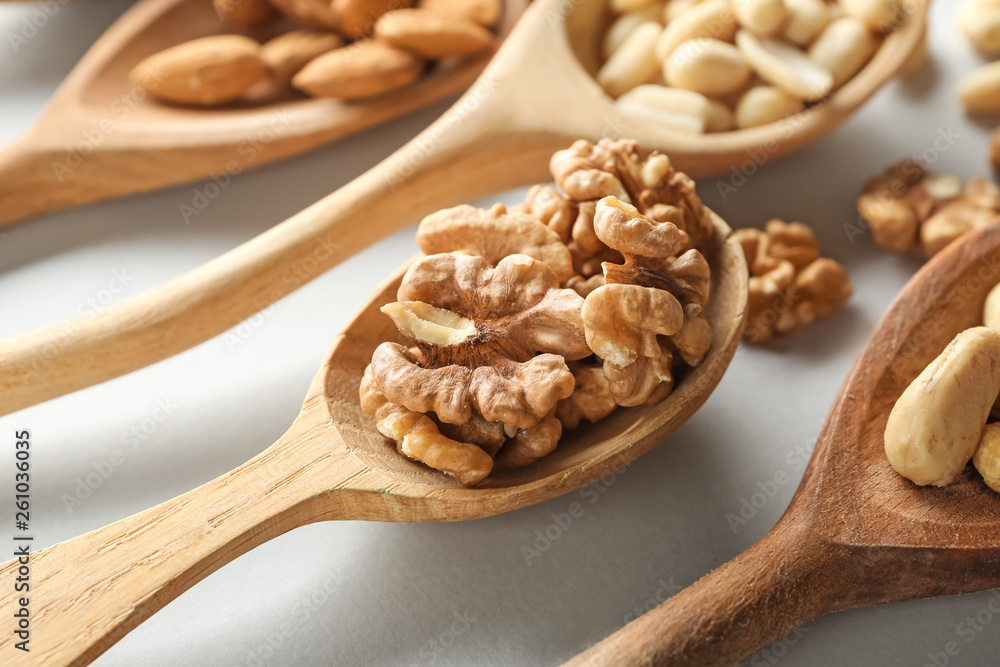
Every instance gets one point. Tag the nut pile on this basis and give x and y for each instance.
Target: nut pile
(979, 90)
(913, 211)
(521, 323)
(790, 284)
(940, 421)
(349, 49)
(719, 65)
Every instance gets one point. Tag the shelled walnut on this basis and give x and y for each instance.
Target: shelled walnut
(588, 172)
(646, 319)
(526, 321)
(790, 284)
(914, 211)
(487, 344)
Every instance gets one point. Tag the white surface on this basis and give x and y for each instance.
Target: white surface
(391, 590)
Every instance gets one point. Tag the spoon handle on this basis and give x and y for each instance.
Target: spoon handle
(88, 592)
(461, 156)
(36, 180)
(783, 581)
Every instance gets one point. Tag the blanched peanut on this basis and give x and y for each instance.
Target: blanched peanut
(623, 6)
(764, 17)
(844, 48)
(806, 20)
(624, 25)
(634, 63)
(987, 456)
(785, 66)
(882, 15)
(707, 66)
(713, 18)
(991, 309)
(674, 8)
(720, 117)
(980, 89)
(935, 426)
(765, 104)
(980, 21)
(669, 107)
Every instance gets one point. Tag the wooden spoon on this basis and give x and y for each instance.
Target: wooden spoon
(332, 464)
(549, 91)
(533, 99)
(856, 533)
(102, 137)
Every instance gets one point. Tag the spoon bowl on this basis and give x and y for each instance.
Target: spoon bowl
(96, 140)
(856, 533)
(498, 136)
(103, 137)
(333, 464)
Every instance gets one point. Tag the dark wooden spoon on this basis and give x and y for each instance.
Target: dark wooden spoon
(855, 534)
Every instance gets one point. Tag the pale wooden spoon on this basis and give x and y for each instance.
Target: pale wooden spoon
(332, 464)
(155, 145)
(856, 533)
(102, 137)
(533, 99)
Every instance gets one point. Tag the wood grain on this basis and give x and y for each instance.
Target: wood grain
(498, 136)
(331, 464)
(856, 533)
(118, 149)
(101, 137)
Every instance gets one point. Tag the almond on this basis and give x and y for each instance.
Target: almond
(432, 35)
(483, 12)
(362, 69)
(357, 17)
(311, 12)
(206, 71)
(244, 12)
(286, 54)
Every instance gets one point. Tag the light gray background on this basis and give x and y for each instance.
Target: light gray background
(388, 593)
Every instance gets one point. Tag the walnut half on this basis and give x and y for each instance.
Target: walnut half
(790, 284)
(647, 317)
(488, 351)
